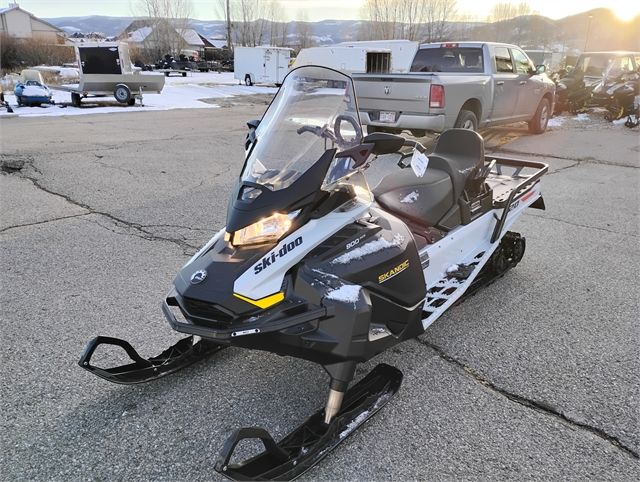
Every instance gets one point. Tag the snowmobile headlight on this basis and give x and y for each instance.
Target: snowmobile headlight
(267, 230)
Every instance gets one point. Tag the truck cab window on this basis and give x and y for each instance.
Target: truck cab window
(448, 59)
(523, 64)
(503, 60)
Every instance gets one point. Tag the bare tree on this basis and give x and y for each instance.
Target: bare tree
(503, 11)
(167, 20)
(304, 31)
(407, 19)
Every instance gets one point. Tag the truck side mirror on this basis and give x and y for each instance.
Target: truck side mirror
(251, 135)
(541, 69)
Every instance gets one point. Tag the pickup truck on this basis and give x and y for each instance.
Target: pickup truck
(463, 84)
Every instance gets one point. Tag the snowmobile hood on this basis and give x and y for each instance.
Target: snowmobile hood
(313, 116)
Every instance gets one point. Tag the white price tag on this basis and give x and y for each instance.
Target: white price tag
(419, 163)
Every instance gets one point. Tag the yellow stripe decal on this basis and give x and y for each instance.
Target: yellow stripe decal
(265, 302)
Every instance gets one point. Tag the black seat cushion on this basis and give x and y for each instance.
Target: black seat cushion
(423, 200)
(460, 153)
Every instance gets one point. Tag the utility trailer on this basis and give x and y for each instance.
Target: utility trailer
(261, 65)
(375, 56)
(105, 70)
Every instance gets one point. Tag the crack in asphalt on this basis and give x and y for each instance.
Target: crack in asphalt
(15, 226)
(138, 230)
(580, 225)
(541, 407)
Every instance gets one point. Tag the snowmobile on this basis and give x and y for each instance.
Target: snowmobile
(314, 264)
(31, 90)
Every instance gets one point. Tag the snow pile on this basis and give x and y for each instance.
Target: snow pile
(453, 268)
(410, 198)
(346, 293)
(369, 248)
(582, 117)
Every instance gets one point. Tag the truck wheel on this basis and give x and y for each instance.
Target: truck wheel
(247, 80)
(76, 100)
(122, 93)
(538, 124)
(466, 120)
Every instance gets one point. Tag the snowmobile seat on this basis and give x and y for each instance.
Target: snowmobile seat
(457, 157)
(459, 153)
(423, 200)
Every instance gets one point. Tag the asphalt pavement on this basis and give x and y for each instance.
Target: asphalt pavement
(535, 377)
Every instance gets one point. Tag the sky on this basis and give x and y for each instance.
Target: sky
(314, 10)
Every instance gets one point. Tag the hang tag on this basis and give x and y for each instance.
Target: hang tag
(419, 163)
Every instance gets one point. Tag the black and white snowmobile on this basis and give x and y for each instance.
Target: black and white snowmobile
(313, 264)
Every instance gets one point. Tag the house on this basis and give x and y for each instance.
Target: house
(23, 25)
(159, 37)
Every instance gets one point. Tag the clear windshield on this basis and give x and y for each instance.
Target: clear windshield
(313, 111)
(618, 67)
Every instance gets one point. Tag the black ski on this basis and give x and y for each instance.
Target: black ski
(313, 440)
(180, 355)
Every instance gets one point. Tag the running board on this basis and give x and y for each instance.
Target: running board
(313, 440)
(184, 353)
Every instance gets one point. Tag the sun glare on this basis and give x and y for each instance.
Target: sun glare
(625, 10)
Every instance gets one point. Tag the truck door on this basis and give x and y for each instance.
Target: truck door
(505, 84)
(530, 87)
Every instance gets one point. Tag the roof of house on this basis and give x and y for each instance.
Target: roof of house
(140, 34)
(190, 36)
(17, 7)
(218, 43)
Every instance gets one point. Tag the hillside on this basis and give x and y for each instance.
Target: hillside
(606, 31)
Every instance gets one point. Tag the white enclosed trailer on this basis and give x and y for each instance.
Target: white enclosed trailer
(261, 65)
(376, 56)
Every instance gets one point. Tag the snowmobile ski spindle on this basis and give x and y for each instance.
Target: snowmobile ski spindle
(313, 440)
(180, 355)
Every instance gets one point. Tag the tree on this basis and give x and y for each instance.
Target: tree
(423, 20)
(304, 31)
(503, 11)
(167, 19)
(252, 22)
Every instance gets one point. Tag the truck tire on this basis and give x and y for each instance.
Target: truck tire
(122, 93)
(247, 80)
(538, 124)
(76, 100)
(466, 120)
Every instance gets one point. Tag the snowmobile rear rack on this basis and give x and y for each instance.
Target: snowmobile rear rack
(184, 353)
(313, 440)
(517, 191)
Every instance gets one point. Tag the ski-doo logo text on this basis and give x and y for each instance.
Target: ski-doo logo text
(275, 255)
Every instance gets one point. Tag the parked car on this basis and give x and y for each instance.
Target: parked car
(462, 84)
(574, 89)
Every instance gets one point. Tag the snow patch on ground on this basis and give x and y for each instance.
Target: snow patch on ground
(369, 248)
(453, 268)
(346, 293)
(410, 198)
(555, 122)
(178, 93)
(583, 117)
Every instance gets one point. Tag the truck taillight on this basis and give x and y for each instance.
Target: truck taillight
(436, 96)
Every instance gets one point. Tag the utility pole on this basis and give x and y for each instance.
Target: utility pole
(586, 39)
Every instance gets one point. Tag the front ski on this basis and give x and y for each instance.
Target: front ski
(313, 440)
(184, 353)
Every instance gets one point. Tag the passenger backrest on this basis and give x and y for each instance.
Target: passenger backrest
(460, 153)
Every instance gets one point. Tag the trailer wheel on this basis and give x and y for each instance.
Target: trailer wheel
(122, 93)
(76, 100)
(184, 74)
(247, 80)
